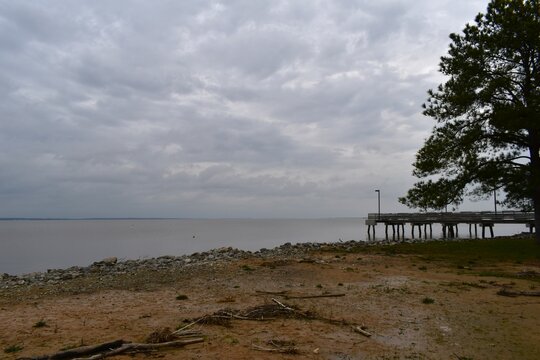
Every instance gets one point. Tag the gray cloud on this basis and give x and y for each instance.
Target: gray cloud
(210, 109)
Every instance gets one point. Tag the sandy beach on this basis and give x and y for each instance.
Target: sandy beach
(407, 305)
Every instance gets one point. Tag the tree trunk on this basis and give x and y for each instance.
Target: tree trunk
(534, 153)
(536, 203)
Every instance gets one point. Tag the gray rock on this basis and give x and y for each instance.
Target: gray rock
(107, 261)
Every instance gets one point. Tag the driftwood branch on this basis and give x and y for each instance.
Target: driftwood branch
(247, 317)
(104, 350)
(80, 351)
(288, 308)
(264, 313)
(282, 350)
(359, 330)
(284, 292)
(312, 296)
(186, 327)
(286, 296)
(506, 292)
(283, 305)
(307, 315)
(136, 347)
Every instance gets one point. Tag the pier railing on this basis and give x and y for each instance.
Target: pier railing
(465, 217)
(448, 220)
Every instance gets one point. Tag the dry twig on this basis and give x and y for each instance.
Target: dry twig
(279, 346)
(313, 296)
(359, 330)
(282, 350)
(271, 292)
(187, 326)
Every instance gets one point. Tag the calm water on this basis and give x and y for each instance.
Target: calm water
(37, 245)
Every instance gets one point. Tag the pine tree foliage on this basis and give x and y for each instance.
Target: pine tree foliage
(487, 134)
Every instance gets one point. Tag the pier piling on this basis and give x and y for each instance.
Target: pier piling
(448, 221)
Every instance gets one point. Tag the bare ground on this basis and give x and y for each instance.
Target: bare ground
(414, 309)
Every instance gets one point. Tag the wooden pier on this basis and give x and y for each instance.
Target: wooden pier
(448, 221)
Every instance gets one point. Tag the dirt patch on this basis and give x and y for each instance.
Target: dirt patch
(385, 295)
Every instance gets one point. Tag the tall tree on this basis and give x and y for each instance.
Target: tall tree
(487, 135)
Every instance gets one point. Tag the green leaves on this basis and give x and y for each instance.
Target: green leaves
(436, 194)
(488, 112)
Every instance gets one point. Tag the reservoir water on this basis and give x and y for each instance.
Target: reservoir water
(37, 245)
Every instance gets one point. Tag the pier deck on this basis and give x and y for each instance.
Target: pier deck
(448, 221)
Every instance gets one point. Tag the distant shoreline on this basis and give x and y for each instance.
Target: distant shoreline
(287, 250)
(28, 245)
(173, 218)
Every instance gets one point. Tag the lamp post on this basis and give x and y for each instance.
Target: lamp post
(379, 204)
(495, 199)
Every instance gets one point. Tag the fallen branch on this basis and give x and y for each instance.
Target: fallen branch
(136, 347)
(282, 350)
(313, 296)
(238, 317)
(359, 330)
(506, 292)
(272, 292)
(96, 352)
(298, 313)
(179, 331)
(283, 305)
(265, 312)
(80, 351)
(187, 333)
(224, 317)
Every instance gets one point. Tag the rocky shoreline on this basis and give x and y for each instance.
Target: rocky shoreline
(410, 298)
(112, 266)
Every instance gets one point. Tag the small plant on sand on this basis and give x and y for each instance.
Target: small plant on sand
(230, 340)
(318, 286)
(246, 267)
(423, 268)
(181, 297)
(41, 323)
(13, 349)
(428, 300)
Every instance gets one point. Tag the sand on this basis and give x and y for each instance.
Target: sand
(414, 308)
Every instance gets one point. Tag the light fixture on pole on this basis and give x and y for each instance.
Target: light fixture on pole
(379, 204)
(495, 199)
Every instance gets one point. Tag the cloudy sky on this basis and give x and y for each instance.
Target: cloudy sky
(239, 108)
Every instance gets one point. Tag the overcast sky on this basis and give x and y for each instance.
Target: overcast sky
(216, 109)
